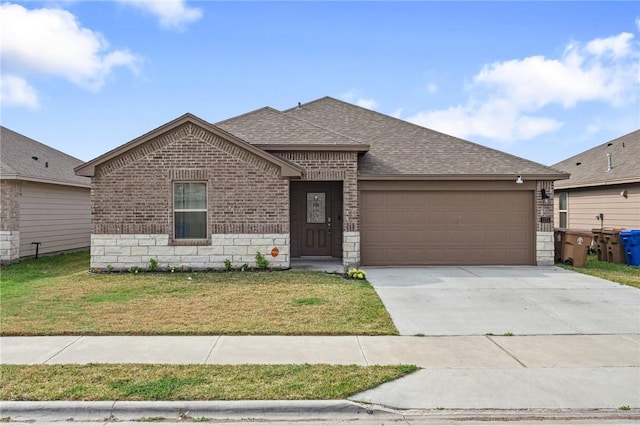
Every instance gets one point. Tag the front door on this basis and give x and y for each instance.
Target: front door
(314, 222)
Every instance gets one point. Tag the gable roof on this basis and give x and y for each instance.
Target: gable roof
(399, 148)
(591, 167)
(270, 129)
(286, 168)
(22, 158)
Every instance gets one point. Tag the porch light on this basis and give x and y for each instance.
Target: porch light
(519, 180)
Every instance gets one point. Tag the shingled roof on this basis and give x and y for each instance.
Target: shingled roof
(271, 129)
(591, 167)
(399, 148)
(23, 158)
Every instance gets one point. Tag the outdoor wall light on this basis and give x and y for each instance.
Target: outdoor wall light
(519, 180)
(545, 197)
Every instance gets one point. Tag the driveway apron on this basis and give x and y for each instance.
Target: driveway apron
(467, 301)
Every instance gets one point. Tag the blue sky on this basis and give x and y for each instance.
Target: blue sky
(541, 80)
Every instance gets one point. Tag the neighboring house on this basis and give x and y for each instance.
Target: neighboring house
(604, 180)
(42, 199)
(325, 178)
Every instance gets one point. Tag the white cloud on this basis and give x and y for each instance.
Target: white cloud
(353, 97)
(432, 88)
(52, 42)
(507, 98)
(16, 92)
(172, 14)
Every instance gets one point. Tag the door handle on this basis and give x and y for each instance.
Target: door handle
(329, 224)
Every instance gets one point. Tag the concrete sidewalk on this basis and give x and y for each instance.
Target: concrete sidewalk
(427, 352)
(572, 372)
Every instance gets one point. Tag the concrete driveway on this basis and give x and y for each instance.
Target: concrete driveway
(468, 300)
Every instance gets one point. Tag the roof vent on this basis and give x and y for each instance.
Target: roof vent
(299, 105)
(609, 144)
(35, 158)
(578, 163)
(609, 163)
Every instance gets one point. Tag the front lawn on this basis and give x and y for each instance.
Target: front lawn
(136, 382)
(623, 274)
(57, 296)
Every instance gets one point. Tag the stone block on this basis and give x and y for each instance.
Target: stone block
(128, 242)
(241, 241)
(161, 250)
(97, 250)
(190, 259)
(117, 251)
(103, 241)
(140, 251)
(132, 260)
(185, 250)
(262, 241)
(235, 250)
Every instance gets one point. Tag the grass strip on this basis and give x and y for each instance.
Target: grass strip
(57, 296)
(145, 382)
(622, 274)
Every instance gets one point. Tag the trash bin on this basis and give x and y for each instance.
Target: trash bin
(575, 247)
(558, 242)
(615, 250)
(600, 244)
(631, 242)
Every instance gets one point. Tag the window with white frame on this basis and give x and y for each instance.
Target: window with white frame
(563, 209)
(190, 210)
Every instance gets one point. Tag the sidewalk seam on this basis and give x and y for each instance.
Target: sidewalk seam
(506, 351)
(366, 361)
(61, 350)
(206, 360)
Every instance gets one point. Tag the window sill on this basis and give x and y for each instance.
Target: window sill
(191, 242)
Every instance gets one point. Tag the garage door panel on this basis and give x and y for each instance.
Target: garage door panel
(447, 228)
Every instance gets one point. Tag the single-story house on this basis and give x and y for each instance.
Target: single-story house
(604, 187)
(43, 201)
(324, 178)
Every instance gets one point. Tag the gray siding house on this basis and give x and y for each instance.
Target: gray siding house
(604, 179)
(324, 178)
(42, 200)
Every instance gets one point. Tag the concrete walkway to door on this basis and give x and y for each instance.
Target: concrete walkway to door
(480, 300)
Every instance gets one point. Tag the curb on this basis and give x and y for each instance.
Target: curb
(181, 410)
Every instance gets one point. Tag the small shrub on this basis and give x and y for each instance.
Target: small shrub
(134, 270)
(227, 264)
(109, 268)
(261, 262)
(244, 267)
(153, 265)
(357, 274)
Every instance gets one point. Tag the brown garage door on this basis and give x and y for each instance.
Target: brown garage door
(447, 228)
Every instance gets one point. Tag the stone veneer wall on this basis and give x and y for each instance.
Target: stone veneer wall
(545, 250)
(123, 251)
(351, 248)
(9, 246)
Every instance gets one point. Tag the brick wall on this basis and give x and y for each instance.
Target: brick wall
(9, 221)
(9, 205)
(544, 229)
(132, 194)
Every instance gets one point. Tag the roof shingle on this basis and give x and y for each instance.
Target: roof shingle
(402, 148)
(26, 159)
(591, 168)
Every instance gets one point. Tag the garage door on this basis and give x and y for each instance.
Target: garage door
(447, 228)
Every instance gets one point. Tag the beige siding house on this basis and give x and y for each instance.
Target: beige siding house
(325, 178)
(604, 183)
(43, 201)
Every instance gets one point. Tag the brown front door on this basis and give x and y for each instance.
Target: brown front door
(316, 218)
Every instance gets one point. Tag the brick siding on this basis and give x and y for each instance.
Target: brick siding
(132, 194)
(544, 229)
(9, 205)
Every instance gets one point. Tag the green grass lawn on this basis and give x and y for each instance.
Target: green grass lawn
(57, 296)
(623, 274)
(136, 382)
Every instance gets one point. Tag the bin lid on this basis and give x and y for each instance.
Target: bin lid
(629, 232)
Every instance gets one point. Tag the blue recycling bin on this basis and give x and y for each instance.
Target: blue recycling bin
(631, 241)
